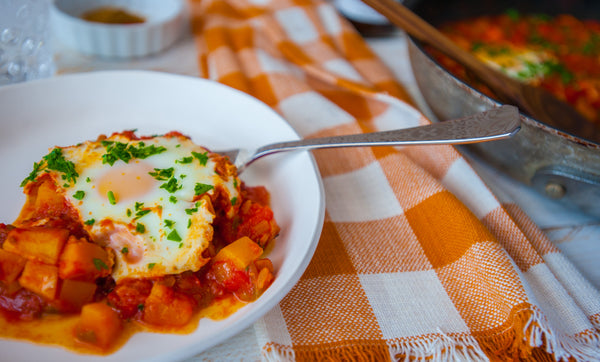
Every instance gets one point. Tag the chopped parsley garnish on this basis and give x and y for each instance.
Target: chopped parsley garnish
(169, 223)
(57, 162)
(128, 212)
(139, 210)
(142, 151)
(140, 228)
(189, 223)
(125, 152)
(202, 188)
(202, 157)
(234, 201)
(99, 264)
(37, 166)
(90, 222)
(115, 151)
(54, 161)
(111, 198)
(79, 195)
(185, 160)
(191, 211)
(125, 250)
(235, 183)
(171, 186)
(162, 174)
(140, 307)
(87, 179)
(173, 199)
(151, 265)
(174, 236)
(513, 14)
(141, 213)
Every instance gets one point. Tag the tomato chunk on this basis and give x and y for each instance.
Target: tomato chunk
(18, 303)
(129, 296)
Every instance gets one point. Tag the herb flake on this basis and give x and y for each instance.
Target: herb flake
(99, 264)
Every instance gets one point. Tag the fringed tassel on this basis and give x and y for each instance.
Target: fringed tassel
(273, 352)
(438, 347)
(372, 352)
(529, 336)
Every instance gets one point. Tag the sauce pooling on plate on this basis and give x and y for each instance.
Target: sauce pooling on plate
(126, 233)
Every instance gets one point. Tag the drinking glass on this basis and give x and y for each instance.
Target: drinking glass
(25, 51)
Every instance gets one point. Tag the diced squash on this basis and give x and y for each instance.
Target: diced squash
(37, 243)
(241, 252)
(48, 196)
(40, 278)
(99, 325)
(11, 265)
(43, 198)
(75, 293)
(165, 307)
(84, 261)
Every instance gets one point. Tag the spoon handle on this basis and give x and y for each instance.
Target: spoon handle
(495, 124)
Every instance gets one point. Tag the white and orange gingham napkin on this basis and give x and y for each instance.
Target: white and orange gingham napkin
(418, 259)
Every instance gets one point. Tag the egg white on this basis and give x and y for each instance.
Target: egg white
(153, 230)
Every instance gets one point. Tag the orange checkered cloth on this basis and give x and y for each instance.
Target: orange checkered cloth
(417, 259)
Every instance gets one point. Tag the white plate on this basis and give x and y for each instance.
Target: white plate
(68, 109)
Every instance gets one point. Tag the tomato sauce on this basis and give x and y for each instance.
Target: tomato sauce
(76, 317)
(559, 53)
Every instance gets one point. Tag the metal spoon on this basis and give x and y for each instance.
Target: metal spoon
(495, 124)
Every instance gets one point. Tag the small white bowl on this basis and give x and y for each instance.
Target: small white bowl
(163, 25)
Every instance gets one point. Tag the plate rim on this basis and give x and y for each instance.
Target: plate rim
(262, 309)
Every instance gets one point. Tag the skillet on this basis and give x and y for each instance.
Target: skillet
(560, 165)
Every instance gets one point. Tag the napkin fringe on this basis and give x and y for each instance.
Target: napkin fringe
(527, 336)
(439, 347)
(530, 337)
(347, 351)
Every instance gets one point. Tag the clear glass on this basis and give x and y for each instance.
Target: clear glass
(25, 50)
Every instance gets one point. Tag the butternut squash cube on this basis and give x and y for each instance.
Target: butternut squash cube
(40, 278)
(37, 243)
(48, 196)
(99, 325)
(75, 293)
(241, 252)
(84, 261)
(165, 307)
(11, 265)
(43, 199)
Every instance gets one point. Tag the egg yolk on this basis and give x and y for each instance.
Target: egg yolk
(127, 182)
